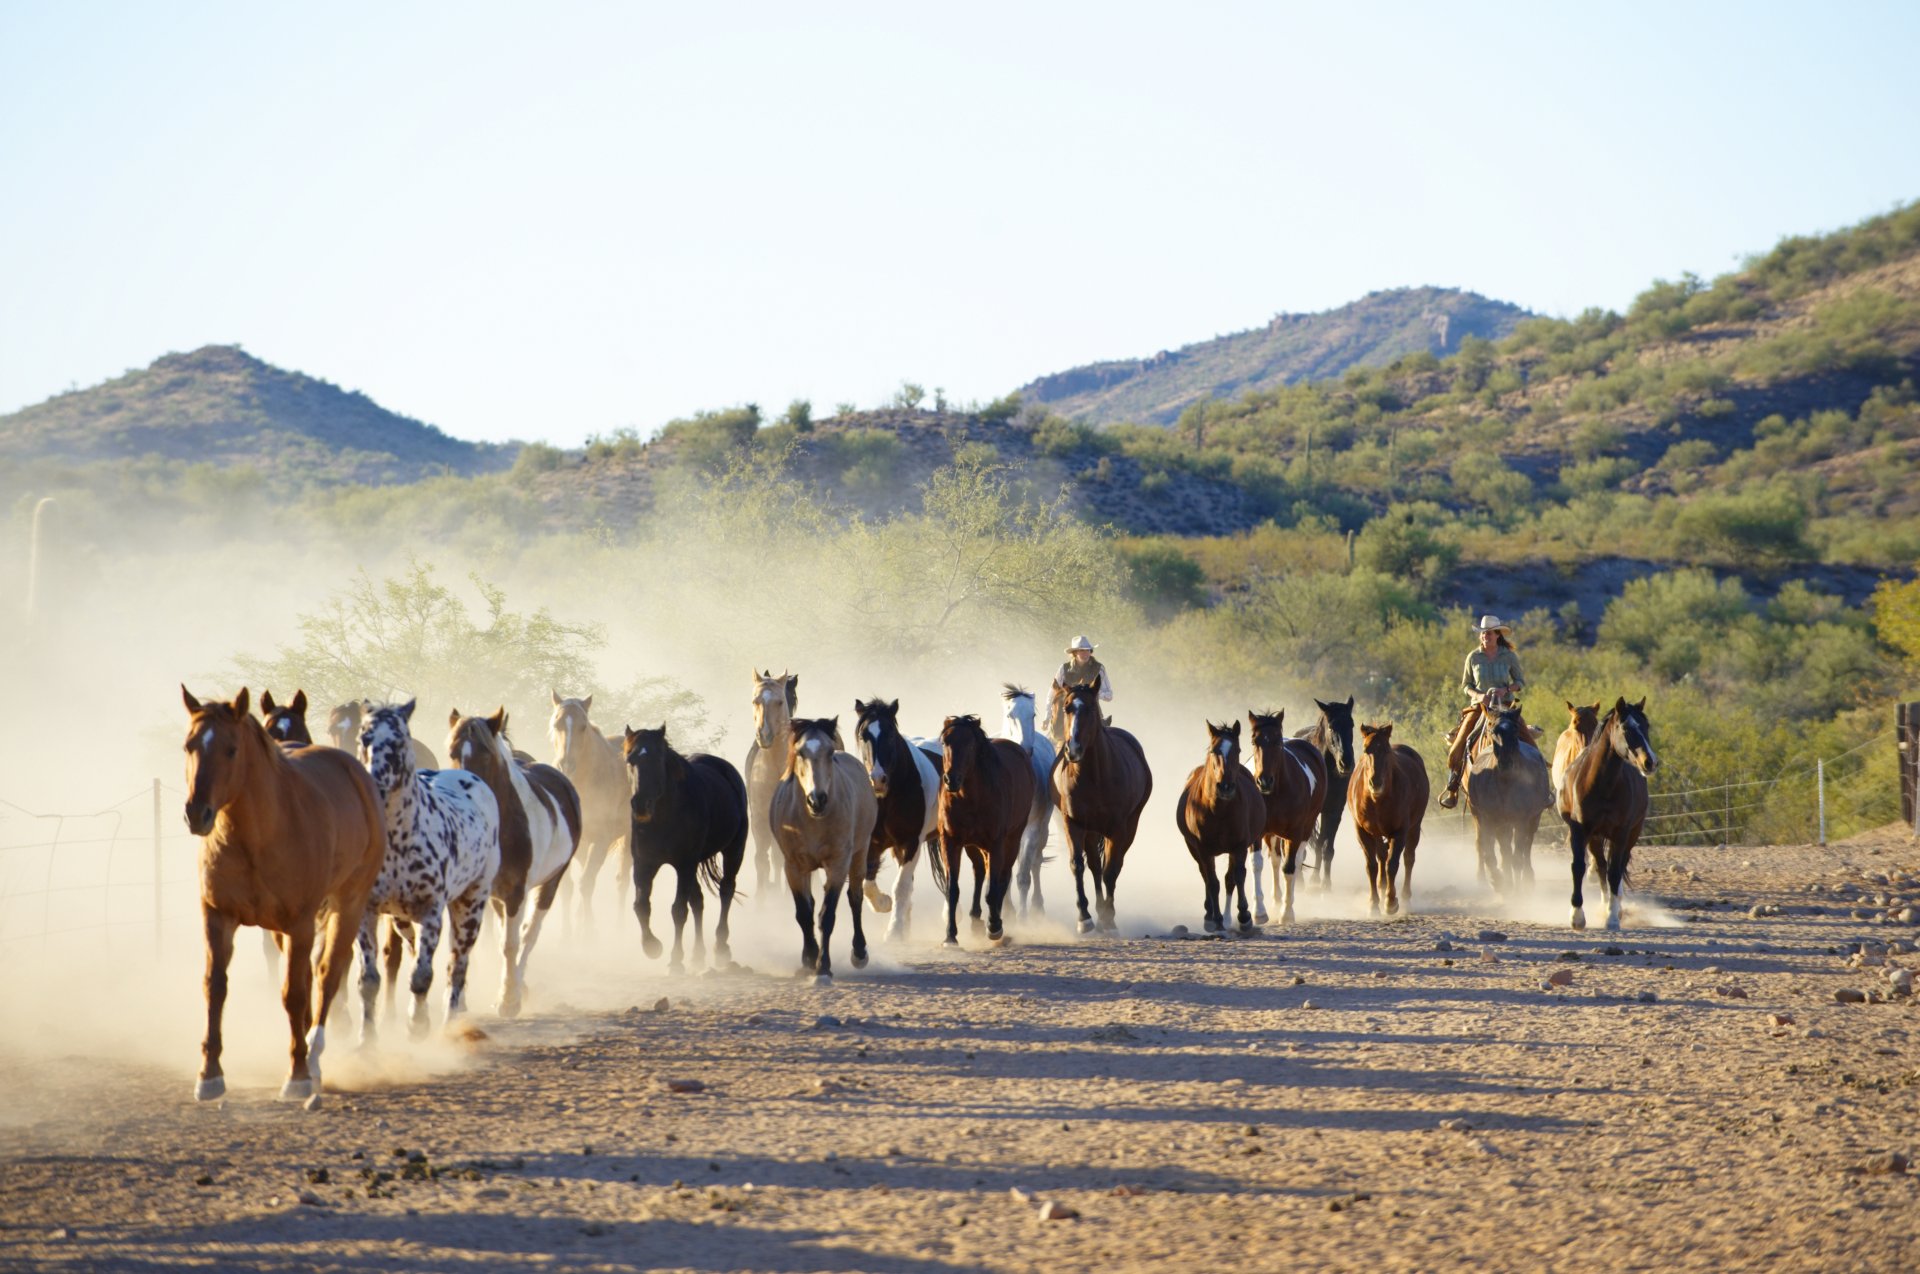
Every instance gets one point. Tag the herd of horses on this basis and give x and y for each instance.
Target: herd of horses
(314, 844)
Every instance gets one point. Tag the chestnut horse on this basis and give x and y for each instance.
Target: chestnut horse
(1332, 734)
(1220, 812)
(688, 813)
(906, 783)
(986, 797)
(1292, 777)
(1388, 799)
(591, 762)
(823, 813)
(775, 700)
(1100, 784)
(289, 837)
(1604, 801)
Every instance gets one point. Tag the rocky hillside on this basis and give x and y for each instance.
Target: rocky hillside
(1370, 332)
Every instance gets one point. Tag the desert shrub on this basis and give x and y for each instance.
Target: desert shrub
(1403, 544)
(707, 440)
(867, 458)
(1602, 473)
(536, 458)
(1748, 528)
(1163, 578)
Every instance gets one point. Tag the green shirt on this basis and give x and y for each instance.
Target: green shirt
(1486, 672)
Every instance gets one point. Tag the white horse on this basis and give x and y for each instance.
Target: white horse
(1017, 723)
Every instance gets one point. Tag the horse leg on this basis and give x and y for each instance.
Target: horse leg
(464, 915)
(979, 862)
(509, 1005)
(369, 974)
(643, 874)
(729, 880)
(1616, 877)
(219, 930)
(423, 971)
(854, 902)
(1237, 882)
(1116, 857)
(1079, 839)
(800, 884)
(592, 861)
(1001, 863)
(399, 931)
(531, 932)
(903, 895)
(950, 858)
(296, 994)
(1374, 851)
(829, 905)
(1285, 862)
(682, 878)
(1210, 884)
(1409, 845)
(270, 948)
(336, 955)
(1257, 867)
(1578, 835)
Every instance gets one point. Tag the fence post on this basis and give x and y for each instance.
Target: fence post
(156, 866)
(1820, 782)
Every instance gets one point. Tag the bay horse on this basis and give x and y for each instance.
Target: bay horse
(775, 700)
(1221, 811)
(592, 763)
(290, 839)
(1332, 734)
(443, 850)
(539, 833)
(1291, 775)
(1604, 801)
(986, 798)
(823, 812)
(906, 785)
(1582, 720)
(1388, 800)
(343, 727)
(688, 813)
(1017, 724)
(1507, 790)
(1100, 784)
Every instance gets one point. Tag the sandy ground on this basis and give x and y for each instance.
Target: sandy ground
(1343, 1095)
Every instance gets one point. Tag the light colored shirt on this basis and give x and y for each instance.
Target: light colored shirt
(1486, 672)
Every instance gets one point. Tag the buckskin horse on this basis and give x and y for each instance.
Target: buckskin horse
(1604, 801)
(1221, 811)
(690, 814)
(1332, 734)
(591, 762)
(288, 838)
(986, 796)
(823, 813)
(1292, 777)
(1507, 791)
(775, 700)
(1100, 785)
(1388, 801)
(906, 784)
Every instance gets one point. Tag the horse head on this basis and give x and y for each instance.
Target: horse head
(386, 745)
(1505, 731)
(962, 743)
(811, 746)
(1336, 719)
(474, 743)
(775, 699)
(285, 722)
(1583, 719)
(1223, 759)
(1084, 720)
(565, 728)
(1630, 734)
(652, 767)
(343, 724)
(1376, 744)
(217, 747)
(1017, 716)
(875, 724)
(1268, 737)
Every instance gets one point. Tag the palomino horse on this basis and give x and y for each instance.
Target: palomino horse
(1507, 792)
(906, 783)
(1017, 723)
(288, 837)
(1221, 812)
(1332, 734)
(343, 727)
(986, 797)
(539, 832)
(591, 762)
(823, 814)
(1388, 800)
(443, 849)
(1604, 801)
(1292, 777)
(775, 700)
(1100, 785)
(688, 813)
(1582, 720)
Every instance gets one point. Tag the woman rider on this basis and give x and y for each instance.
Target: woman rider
(1492, 675)
(1081, 669)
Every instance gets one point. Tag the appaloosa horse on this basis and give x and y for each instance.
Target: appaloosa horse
(291, 838)
(1332, 734)
(688, 813)
(443, 849)
(343, 727)
(775, 700)
(1017, 723)
(1292, 777)
(906, 784)
(1388, 801)
(986, 797)
(1604, 801)
(1507, 791)
(591, 761)
(1100, 785)
(1221, 811)
(823, 813)
(539, 832)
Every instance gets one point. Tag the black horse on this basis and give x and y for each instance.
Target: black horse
(688, 813)
(1508, 789)
(1333, 735)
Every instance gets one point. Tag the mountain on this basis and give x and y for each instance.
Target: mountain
(1370, 332)
(220, 405)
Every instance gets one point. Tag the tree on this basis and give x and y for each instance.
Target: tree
(799, 416)
(909, 395)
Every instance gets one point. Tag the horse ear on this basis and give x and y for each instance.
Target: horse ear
(266, 702)
(1641, 707)
(554, 695)
(406, 710)
(793, 692)
(1234, 730)
(1570, 707)
(1099, 679)
(1349, 703)
(453, 717)
(893, 709)
(186, 697)
(1620, 705)
(240, 702)
(1596, 707)
(498, 721)
(859, 707)
(299, 704)
(1386, 731)
(629, 730)
(586, 704)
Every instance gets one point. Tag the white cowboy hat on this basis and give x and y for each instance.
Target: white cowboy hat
(1492, 624)
(1079, 643)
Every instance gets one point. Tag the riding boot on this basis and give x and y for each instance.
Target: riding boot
(1451, 797)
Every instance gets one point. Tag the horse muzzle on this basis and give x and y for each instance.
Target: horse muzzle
(816, 803)
(1228, 791)
(951, 782)
(879, 780)
(199, 818)
(1647, 761)
(642, 810)
(1075, 752)
(1265, 784)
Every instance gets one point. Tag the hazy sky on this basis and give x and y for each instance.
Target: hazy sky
(550, 221)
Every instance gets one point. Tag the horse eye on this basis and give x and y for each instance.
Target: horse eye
(231, 752)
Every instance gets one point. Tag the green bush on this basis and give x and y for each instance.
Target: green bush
(1748, 528)
(1163, 579)
(1403, 544)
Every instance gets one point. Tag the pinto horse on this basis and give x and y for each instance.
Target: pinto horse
(1100, 784)
(1604, 801)
(290, 838)
(986, 796)
(1332, 734)
(1388, 800)
(539, 832)
(906, 783)
(591, 762)
(1507, 791)
(1292, 777)
(1017, 723)
(689, 813)
(775, 700)
(1221, 811)
(823, 814)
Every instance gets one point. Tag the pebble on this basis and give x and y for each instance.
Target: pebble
(686, 1086)
(1731, 992)
(1850, 995)
(318, 1176)
(1443, 945)
(1054, 1210)
(1309, 1004)
(1781, 1019)
(1492, 935)
(60, 1234)
(1455, 1125)
(1646, 997)
(1909, 916)
(1126, 1192)
(1893, 1162)
(826, 1022)
(662, 1004)
(1020, 1196)
(1298, 980)
(1901, 981)
(1560, 977)
(1180, 931)
(1488, 957)
(311, 1199)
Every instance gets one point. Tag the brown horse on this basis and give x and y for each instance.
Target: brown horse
(288, 837)
(775, 700)
(1292, 777)
(986, 797)
(1604, 801)
(823, 814)
(286, 723)
(1220, 812)
(1101, 783)
(593, 764)
(1388, 800)
(1582, 720)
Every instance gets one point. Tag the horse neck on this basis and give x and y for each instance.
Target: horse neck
(257, 814)
(1020, 725)
(1598, 765)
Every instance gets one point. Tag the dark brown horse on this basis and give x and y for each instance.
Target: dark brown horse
(286, 723)
(289, 838)
(986, 796)
(689, 813)
(1388, 800)
(1507, 791)
(592, 763)
(1332, 734)
(906, 783)
(1292, 777)
(1220, 812)
(1101, 783)
(1604, 801)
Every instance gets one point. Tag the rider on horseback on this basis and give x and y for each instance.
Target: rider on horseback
(1491, 679)
(1081, 669)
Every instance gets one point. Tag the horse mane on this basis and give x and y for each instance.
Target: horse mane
(1008, 690)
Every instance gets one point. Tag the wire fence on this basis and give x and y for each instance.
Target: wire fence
(1817, 801)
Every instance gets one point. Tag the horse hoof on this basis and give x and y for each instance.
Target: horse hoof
(296, 1090)
(1286, 918)
(677, 967)
(979, 926)
(950, 941)
(1260, 917)
(652, 947)
(1246, 926)
(823, 979)
(1579, 919)
(896, 933)
(877, 900)
(210, 1089)
(859, 959)
(1085, 925)
(1000, 939)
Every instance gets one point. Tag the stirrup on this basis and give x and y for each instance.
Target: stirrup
(1450, 797)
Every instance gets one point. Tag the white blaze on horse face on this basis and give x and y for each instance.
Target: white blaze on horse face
(206, 739)
(1224, 748)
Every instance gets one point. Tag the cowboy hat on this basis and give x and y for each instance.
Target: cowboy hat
(1079, 643)
(1492, 624)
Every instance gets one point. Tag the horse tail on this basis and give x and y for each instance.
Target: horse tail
(938, 861)
(710, 875)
